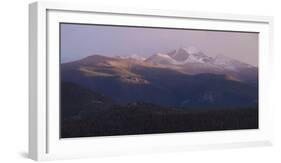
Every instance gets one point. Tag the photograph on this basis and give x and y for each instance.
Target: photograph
(130, 80)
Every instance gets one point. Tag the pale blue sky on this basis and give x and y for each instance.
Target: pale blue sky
(79, 41)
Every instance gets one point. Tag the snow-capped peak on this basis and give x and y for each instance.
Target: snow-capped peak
(192, 55)
(189, 55)
(137, 57)
(230, 63)
(191, 50)
(163, 55)
(160, 58)
(133, 56)
(180, 56)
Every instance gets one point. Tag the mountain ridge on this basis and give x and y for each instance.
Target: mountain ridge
(193, 84)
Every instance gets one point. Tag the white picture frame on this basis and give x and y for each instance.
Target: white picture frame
(44, 141)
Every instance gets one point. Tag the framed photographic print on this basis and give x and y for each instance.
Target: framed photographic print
(111, 81)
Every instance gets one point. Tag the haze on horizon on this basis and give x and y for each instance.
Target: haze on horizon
(79, 41)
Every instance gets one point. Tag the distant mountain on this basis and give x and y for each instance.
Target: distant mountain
(192, 61)
(199, 81)
(189, 55)
(183, 90)
(133, 56)
(161, 58)
(183, 56)
(229, 63)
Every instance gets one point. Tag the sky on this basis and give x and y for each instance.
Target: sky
(80, 40)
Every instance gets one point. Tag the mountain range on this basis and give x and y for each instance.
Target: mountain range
(181, 78)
